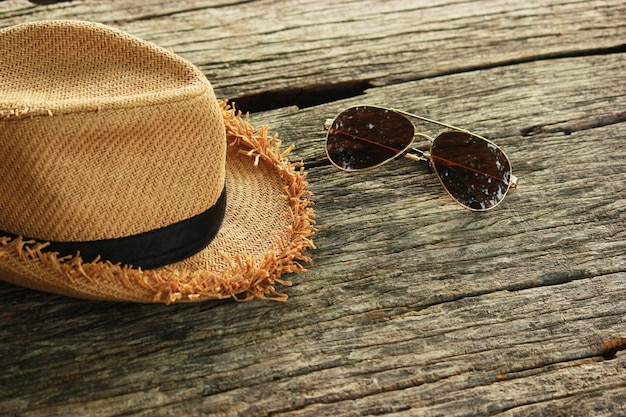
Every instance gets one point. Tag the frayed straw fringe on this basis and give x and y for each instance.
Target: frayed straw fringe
(244, 279)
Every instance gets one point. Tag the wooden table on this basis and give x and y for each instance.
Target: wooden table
(412, 305)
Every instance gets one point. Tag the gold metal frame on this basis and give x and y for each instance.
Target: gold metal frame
(419, 155)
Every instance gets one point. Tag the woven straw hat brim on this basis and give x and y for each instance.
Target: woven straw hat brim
(267, 228)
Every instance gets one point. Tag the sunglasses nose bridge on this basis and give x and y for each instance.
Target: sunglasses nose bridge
(425, 154)
(419, 155)
(423, 136)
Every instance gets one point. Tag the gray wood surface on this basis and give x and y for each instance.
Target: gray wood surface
(412, 305)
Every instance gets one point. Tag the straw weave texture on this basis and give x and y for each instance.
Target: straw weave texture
(266, 232)
(93, 113)
(130, 139)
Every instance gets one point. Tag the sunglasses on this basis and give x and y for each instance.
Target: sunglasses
(473, 170)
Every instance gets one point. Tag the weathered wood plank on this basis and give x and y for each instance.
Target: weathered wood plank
(246, 46)
(412, 306)
(377, 308)
(510, 105)
(430, 358)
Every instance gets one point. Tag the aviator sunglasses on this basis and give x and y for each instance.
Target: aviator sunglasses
(473, 170)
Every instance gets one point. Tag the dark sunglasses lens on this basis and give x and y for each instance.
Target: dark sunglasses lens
(474, 171)
(364, 137)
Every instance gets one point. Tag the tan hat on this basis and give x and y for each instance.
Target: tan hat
(124, 178)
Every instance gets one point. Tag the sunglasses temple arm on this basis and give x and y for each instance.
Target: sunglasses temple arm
(425, 119)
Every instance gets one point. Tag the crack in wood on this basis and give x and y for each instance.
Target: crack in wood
(616, 49)
(45, 2)
(188, 10)
(216, 6)
(314, 94)
(302, 97)
(572, 126)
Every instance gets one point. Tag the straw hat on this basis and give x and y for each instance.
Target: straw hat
(124, 178)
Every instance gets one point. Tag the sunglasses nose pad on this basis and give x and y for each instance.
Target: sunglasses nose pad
(327, 124)
(431, 169)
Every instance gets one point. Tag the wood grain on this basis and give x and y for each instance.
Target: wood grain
(412, 306)
(248, 46)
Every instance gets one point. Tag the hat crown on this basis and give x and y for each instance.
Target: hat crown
(68, 66)
(102, 135)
